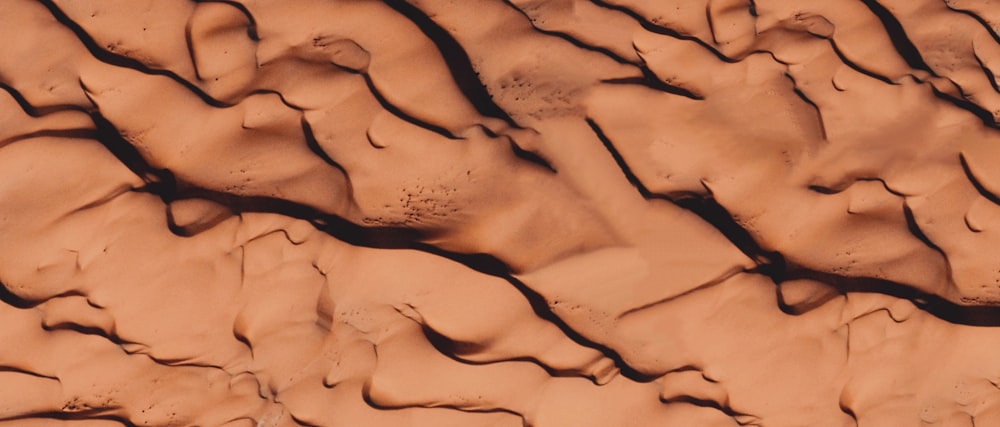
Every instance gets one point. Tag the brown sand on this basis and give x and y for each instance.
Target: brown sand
(545, 213)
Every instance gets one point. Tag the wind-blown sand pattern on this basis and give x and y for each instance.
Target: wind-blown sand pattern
(545, 213)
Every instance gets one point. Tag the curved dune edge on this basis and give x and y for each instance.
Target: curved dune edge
(499, 213)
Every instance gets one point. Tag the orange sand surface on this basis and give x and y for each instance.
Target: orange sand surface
(538, 213)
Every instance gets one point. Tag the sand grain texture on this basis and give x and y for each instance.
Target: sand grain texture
(538, 213)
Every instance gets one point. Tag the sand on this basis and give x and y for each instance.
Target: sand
(537, 213)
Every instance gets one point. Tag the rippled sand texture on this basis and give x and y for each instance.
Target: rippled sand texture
(548, 213)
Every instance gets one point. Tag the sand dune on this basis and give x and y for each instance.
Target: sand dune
(545, 213)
